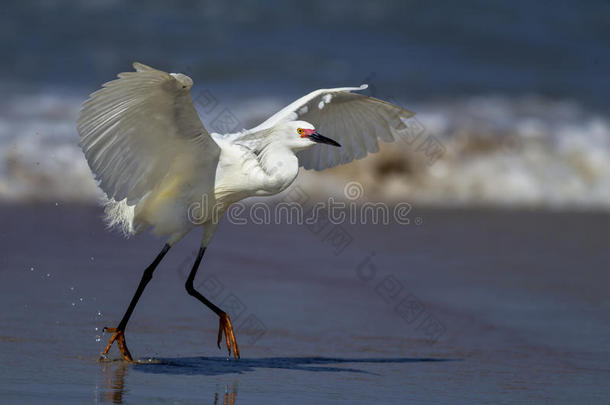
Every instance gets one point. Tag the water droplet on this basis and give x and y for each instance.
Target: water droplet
(96, 328)
(56, 204)
(81, 299)
(98, 338)
(92, 258)
(99, 313)
(48, 274)
(73, 304)
(31, 269)
(71, 288)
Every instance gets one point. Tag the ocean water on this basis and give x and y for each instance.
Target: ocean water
(496, 151)
(513, 93)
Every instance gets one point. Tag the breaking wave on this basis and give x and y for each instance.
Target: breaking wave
(496, 151)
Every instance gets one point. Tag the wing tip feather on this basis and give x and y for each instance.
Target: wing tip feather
(140, 67)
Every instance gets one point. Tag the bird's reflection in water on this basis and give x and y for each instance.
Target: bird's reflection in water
(116, 372)
(114, 381)
(229, 396)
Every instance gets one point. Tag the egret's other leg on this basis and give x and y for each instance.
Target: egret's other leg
(119, 331)
(225, 321)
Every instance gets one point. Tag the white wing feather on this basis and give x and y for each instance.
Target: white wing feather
(356, 121)
(133, 128)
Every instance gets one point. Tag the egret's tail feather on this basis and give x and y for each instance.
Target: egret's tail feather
(120, 215)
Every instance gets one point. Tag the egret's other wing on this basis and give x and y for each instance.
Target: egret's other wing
(133, 128)
(357, 122)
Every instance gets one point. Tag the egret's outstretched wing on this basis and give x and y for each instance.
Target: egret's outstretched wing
(133, 128)
(357, 122)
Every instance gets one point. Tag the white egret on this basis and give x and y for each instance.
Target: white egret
(153, 158)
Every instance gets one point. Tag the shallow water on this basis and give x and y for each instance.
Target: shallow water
(501, 307)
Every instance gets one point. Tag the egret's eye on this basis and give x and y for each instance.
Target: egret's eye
(300, 131)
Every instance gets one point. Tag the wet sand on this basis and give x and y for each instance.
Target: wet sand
(466, 306)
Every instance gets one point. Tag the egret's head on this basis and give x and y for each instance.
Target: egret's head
(302, 135)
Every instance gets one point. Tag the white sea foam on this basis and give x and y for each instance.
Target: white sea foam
(499, 151)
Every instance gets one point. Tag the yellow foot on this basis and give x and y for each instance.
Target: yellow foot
(227, 328)
(119, 336)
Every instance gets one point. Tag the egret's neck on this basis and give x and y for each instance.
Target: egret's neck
(280, 167)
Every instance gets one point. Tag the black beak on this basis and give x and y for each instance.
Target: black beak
(316, 137)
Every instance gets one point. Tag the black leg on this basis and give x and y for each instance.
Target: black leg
(191, 290)
(225, 322)
(146, 277)
(119, 331)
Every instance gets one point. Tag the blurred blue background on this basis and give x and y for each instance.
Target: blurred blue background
(417, 49)
(515, 91)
